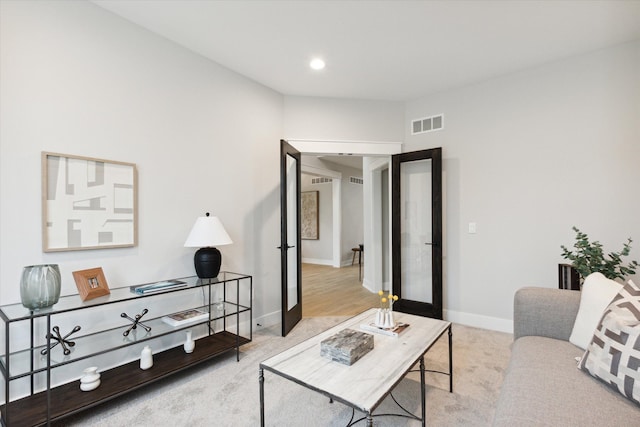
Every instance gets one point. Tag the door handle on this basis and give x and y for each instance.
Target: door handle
(287, 247)
(431, 244)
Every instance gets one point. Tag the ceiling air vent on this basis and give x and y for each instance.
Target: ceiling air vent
(320, 180)
(427, 124)
(356, 180)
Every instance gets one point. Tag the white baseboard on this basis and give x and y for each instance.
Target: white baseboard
(467, 319)
(267, 320)
(368, 286)
(317, 261)
(479, 321)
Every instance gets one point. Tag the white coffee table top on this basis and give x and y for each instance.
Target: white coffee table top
(366, 383)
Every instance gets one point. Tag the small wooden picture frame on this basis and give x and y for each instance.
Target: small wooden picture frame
(91, 283)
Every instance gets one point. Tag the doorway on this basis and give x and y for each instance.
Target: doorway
(324, 148)
(331, 270)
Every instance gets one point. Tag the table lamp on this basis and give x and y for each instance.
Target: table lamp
(206, 233)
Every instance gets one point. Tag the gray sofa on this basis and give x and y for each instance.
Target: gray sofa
(542, 385)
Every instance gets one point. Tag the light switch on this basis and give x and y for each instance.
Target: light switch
(472, 228)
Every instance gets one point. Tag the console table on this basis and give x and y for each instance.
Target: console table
(227, 299)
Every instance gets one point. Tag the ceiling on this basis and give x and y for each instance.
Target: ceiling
(386, 50)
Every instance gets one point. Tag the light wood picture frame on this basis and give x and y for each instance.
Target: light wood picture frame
(88, 203)
(310, 214)
(91, 283)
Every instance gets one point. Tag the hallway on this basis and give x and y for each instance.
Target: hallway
(329, 291)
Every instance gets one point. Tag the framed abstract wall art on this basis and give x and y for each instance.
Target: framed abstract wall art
(87, 203)
(309, 215)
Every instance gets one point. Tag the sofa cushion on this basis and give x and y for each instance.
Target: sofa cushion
(542, 387)
(613, 356)
(597, 293)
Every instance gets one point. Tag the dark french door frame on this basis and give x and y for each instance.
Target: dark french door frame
(290, 317)
(433, 309)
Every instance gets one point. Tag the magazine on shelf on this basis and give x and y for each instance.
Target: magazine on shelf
(392, 332)
(185, 317)
(157, 287)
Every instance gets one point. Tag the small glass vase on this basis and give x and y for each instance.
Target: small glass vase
(40, 286)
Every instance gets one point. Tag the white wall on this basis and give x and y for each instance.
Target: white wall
(332, 119)
(320, 251)
(352, 213)
(526, 157)
(351, 201)
(78, 80)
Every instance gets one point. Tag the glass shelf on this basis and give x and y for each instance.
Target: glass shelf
(91, 345)
(16, 312)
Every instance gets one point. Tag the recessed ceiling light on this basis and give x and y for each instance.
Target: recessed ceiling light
(317, 64)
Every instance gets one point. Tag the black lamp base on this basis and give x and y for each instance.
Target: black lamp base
(207, 262)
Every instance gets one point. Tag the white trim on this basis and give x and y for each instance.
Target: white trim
(267, 320)
(360, 148)
(479, 321)
(367, 285)
(372, 173)
(316, 171)
(336, 192)
(317, 261)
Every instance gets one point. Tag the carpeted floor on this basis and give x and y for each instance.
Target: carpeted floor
(224, 392)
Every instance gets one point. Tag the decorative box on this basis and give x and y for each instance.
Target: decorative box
(347, 346)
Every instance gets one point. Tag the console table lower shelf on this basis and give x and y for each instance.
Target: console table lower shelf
(68, 399)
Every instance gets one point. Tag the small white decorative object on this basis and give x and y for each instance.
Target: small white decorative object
(189, 344)
(384, 316)
(146, 358)
(379, 317)
(90, 379)
(388, 321)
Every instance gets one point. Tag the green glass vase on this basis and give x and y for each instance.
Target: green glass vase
(40, 286)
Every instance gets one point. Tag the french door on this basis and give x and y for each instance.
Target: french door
(290, 240)
(416, 232)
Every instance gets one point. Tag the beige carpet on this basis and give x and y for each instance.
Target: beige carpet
(224, 392)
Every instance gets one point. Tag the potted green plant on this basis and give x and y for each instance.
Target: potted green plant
(589, 257)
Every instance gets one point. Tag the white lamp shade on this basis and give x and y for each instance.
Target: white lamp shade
(207, 232)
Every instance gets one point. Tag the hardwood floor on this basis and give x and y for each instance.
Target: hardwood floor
(329, 291)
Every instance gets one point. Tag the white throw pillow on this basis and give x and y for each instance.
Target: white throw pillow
(597, 293)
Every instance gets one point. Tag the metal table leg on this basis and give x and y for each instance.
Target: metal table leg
(450, 361)
(369, 420)
(261, 381)
(423, 393)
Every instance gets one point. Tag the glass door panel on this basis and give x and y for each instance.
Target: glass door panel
(292, 232)
(416, 235)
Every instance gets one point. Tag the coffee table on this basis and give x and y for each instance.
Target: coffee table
(363, 385)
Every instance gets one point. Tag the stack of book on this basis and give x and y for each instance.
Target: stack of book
(152, 288)
(393, 331)
(186, 317)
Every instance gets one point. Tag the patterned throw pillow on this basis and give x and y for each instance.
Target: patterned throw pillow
(613, 356)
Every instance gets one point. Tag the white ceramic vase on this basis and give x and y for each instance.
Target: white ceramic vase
(146, 358)
(388, 320)
(90, 379)
(380, 317)
(189, 344)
